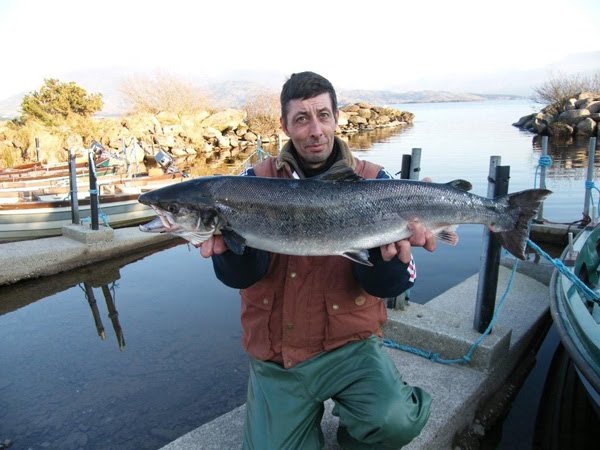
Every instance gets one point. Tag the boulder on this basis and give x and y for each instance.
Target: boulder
(570, 104)
(366, 113)
(586, 127)
(227, 119)
(357, 120)
(523, 120)
(573, 116)
(250, 137)
(593, 107)
(343, 119)
(560, 130)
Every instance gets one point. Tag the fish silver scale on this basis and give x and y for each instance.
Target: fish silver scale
(311, 217)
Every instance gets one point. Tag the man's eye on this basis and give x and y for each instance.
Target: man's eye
(324, 115)
(301, 119)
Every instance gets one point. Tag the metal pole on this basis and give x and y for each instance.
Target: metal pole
(491, 249)
(73, 187)
(93, 190)
(590, 176)
(415, 164)
(37, 149)
(540, 214)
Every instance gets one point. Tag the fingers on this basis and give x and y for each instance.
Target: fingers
(388, 251)
(215, 245)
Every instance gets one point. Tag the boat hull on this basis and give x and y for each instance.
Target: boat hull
(575, 318)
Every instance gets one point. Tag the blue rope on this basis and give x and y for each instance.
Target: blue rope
(544, 161)
(435, 357)
(586, 291)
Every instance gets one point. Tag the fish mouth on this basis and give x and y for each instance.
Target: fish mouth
(163, 223)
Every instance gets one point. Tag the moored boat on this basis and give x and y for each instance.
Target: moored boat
(42, 213)
(576, 317)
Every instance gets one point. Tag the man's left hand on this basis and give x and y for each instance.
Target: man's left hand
(421, 237)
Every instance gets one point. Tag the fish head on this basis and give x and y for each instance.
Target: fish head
(183, 211)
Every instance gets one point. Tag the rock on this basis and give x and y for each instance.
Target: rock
(223, 142)
(586, 127)
(351, 108)
(357, 120)
(223, 120)
(366, 113)
(250, 137)
(211, 133)
(172, 129)
(593, 107)
(343, 119)
(560, 130)
(570, 104)
(573, 116)
(382, 120)
(167, 118)
(523, 120)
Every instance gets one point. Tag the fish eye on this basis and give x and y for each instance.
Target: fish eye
(173, 208)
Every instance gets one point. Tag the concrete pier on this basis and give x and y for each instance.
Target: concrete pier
(443, 325)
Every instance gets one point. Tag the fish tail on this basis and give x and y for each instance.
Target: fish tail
(522, 207)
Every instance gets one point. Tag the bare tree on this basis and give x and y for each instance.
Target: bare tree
(561, 87)
(263, 109)
(163, 92)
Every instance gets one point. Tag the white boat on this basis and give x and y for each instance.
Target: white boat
(42, 213)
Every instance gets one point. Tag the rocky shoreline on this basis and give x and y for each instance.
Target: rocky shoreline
(577, 117)
(202, 134)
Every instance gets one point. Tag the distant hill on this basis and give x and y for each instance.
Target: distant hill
(234, 94)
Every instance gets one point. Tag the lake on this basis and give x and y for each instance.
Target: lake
(134, 352)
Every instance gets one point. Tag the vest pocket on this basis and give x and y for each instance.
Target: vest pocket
(351, 316)
(257, 304)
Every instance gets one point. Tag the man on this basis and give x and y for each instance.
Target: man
(312, 324)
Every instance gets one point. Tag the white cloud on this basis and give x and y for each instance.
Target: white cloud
(357, 44)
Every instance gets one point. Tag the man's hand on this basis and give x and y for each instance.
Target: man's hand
(214, 245)
(421, 237)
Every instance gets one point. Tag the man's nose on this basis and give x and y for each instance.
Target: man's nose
(315, 127)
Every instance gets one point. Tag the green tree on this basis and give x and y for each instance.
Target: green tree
(57, 100)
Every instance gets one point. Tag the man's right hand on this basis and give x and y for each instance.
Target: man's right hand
(215, 245)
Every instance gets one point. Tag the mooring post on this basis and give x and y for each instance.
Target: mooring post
(490, 253)
(415, 164)
(37, 149)
(540, 214)
(93, 190)
(590, 177)
(73, 187)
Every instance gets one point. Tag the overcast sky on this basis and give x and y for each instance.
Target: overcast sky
(366, 44)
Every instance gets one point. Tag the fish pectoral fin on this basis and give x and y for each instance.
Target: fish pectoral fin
(235, 242)
(358, 256)
(447, 234)
(462, 185)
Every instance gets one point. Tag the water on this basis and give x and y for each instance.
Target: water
(181, 365)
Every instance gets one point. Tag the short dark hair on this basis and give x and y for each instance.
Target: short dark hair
(305, 85)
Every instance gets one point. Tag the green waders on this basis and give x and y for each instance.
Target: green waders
(377, 410)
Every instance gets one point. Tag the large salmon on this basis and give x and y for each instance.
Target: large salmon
(345, 215)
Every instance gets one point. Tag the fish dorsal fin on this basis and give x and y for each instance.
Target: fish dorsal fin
(340, 171)
(463, 185)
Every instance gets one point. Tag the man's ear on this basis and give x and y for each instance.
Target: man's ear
(337, 116)
(283, 126)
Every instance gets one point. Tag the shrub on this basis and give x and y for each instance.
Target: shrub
(560, 88)
(163, 92)
(263, 109)
(57, 100)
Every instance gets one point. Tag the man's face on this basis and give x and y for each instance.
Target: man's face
(311, 124)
